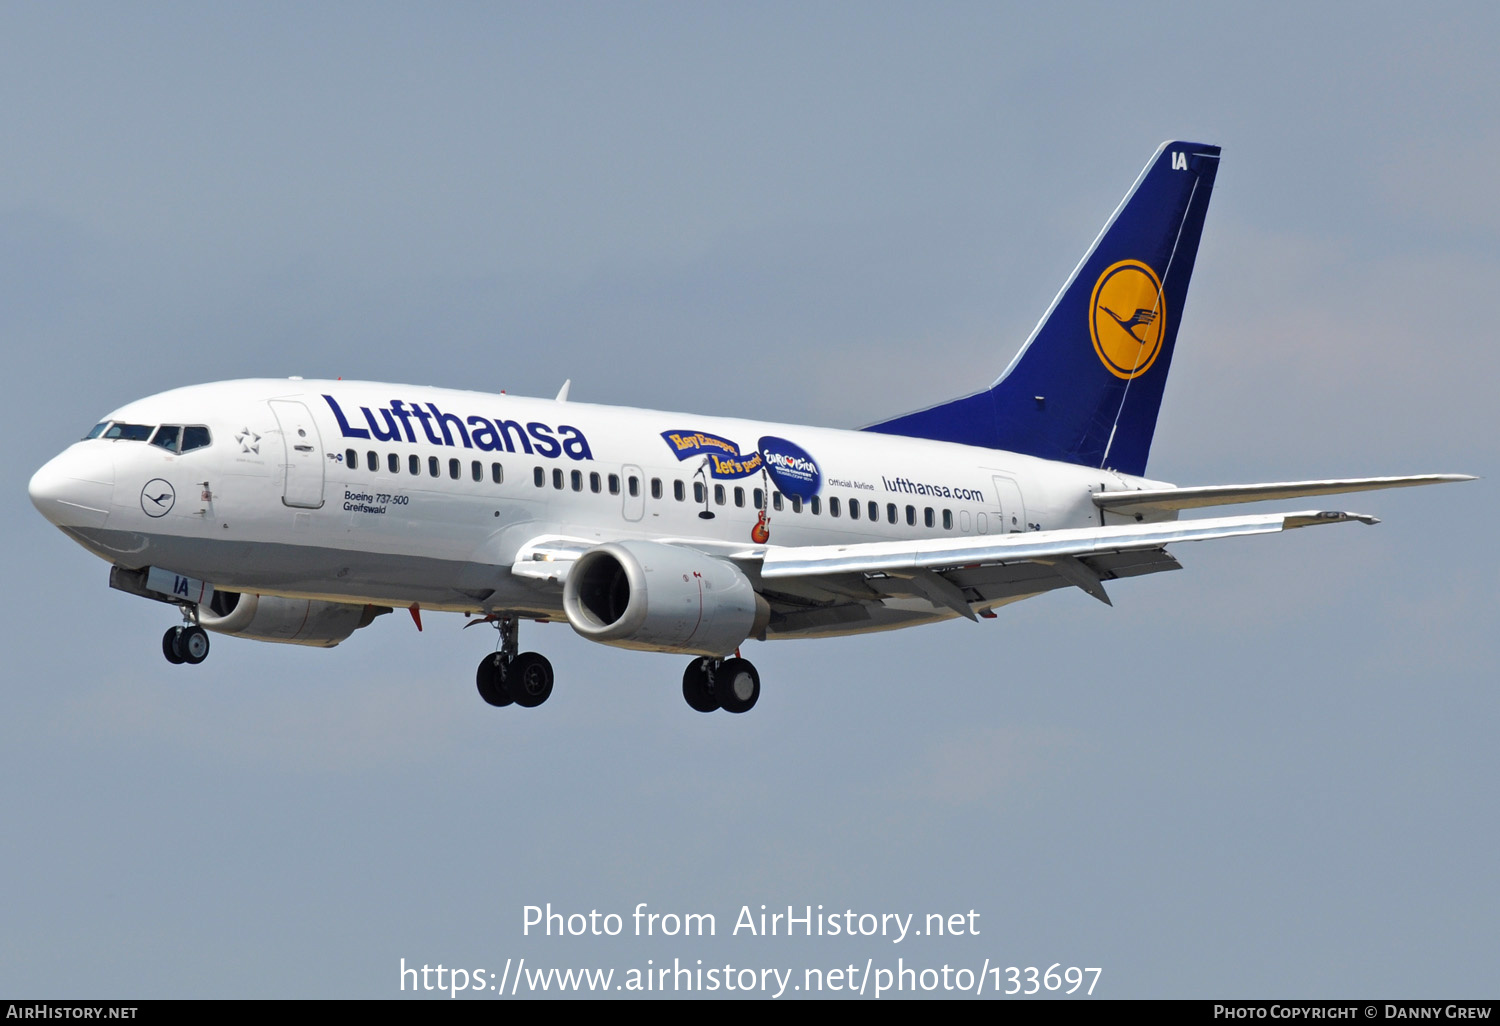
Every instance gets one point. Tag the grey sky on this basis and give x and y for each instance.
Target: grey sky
(1269, 774)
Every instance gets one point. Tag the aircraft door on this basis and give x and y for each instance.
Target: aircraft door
(634, 492)
(1012, 515)
(303, 486)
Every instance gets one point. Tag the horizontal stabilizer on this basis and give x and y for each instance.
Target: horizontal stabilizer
(1163, 500)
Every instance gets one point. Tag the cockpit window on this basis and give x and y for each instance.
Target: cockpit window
(171, 437)
(98, 430)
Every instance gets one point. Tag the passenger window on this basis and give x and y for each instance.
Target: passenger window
(577, 477)
(557, 479)
(634, 484)
(760, 498)
(166, 438)
(890, 512)
(393, 463)
(874, 510)
(454, 469)
(718, 495)
(195, 438)
(351, 459)
(432, 466)
(614, 484)
(796, 504)
(372, 461)
(927, 516)
(678, 491)
(698, 491)
(853, 509)
(414, 464)
(911, 516)
(739, 497)
(497, 473)
(476, 470)
(656, 488)
(776, 501)
(539, 476)
(833, 506)
(815, 504)
(947, 520)
(595, 484)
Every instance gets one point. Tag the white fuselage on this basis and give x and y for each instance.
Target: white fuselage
(360, 492)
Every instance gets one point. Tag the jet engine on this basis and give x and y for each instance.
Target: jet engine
(662, 598)
(285, 620)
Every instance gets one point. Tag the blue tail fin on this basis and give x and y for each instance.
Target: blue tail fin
(1087, 385)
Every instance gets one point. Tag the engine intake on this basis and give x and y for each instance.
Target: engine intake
(662, 598)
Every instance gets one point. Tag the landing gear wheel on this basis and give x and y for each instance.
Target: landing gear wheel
(529, 679)
(192, 644)
(490, 680)
(737, 685)
(169, 646)
(695, 687)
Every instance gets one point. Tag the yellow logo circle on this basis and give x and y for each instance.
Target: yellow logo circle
(1127, 318)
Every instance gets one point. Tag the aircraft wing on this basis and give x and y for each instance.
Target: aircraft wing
(1164, 500)
(821, 588)
(548, 558)
(961, 573)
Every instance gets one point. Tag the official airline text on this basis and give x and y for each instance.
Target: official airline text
(909, 487)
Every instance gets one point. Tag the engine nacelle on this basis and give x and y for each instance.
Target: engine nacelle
(662, 598)
(285, 620)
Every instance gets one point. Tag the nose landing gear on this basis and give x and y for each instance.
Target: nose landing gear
(185, 644)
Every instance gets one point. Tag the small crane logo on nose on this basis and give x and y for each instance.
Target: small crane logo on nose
(157, 498)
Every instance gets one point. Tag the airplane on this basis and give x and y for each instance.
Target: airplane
(294, 511)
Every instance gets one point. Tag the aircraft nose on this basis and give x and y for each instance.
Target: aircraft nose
(74, 488)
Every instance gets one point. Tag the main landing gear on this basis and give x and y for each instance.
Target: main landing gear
(507, 677)
(504, 677)
(728, 684)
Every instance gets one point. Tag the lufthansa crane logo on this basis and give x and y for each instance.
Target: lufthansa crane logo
(1127, 318)
(157, 498)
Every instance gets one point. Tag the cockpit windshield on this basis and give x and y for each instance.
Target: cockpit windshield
(130, 432)
(171, 437)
